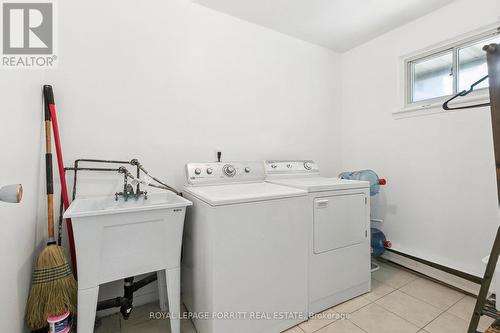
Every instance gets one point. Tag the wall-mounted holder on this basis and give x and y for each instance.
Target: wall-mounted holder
(11, 193)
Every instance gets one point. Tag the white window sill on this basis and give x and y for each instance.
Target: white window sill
(435, 107)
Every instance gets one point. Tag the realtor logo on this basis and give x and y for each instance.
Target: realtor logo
(28, 34)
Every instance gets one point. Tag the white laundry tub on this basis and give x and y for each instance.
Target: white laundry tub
(115, 239)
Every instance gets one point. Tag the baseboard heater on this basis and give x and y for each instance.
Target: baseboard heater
(453, 278)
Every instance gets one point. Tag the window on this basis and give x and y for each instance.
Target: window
(432, 76)
(448, 70)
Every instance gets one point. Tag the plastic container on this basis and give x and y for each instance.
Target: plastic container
(366, 175)
(495, 282)
(60, 323)
(378, 242)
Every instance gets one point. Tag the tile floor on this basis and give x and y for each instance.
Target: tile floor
(400, 302)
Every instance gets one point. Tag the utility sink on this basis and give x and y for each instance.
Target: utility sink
(116, 239)
(93, 206)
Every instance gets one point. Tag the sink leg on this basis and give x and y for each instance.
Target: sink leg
(87, 305)
(162, 290)
(174, 298)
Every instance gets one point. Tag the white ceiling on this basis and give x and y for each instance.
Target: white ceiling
(337, 24)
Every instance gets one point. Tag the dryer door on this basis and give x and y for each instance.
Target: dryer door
(339, 221)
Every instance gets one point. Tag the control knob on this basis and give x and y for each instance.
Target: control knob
(197, 171)
(247, 169)
(209, 171)
(307, 166)
(229, 170)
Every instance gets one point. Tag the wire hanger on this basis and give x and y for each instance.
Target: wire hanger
(464, 93)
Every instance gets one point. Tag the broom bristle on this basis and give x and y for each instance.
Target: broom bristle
(53, 289)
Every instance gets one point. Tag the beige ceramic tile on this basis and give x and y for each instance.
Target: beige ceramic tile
(464, 309)
(394, 277)
(295, 329)
(337, 312)
(407, 307)
(447, 323)
(150, 326)
(159, 326)
(375, 319)
(341, 326)
(432, 293)
(351, 305)
(319, 320)
(109, 324)
(379, 290)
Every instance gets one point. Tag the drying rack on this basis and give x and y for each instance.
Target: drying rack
(486, 306)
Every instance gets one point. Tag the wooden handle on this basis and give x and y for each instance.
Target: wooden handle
(48, 171)
(50, 215)
(48, 137)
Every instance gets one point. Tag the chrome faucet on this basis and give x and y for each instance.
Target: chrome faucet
(128, 189)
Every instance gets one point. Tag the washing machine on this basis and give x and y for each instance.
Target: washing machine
(338, 216)
(245, 250)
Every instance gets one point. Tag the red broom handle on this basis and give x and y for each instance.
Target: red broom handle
(64, 188)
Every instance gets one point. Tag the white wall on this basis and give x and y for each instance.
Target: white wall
(168, 81)
(165, 82)
(440, 202)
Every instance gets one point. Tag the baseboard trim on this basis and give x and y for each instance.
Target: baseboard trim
(451, 280)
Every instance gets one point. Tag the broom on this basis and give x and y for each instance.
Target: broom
(53, 289)
(49, 99)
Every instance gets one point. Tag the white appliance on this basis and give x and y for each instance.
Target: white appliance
(338, 216)
(245, 252)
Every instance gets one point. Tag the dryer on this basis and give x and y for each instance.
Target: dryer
(245, 252)
(338, 216)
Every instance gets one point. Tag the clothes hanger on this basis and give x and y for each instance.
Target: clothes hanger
(464, 93)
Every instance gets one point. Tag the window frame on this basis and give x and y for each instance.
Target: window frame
(453, 47)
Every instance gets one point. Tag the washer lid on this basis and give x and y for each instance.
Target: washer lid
(216, 195)
(319, 184)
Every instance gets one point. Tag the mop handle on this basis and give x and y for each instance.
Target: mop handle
(49, 175)
(49, 100)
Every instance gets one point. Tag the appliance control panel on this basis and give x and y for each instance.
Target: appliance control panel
(284, 167)
(223, 172)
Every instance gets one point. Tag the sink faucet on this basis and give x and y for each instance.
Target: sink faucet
(128, 189)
